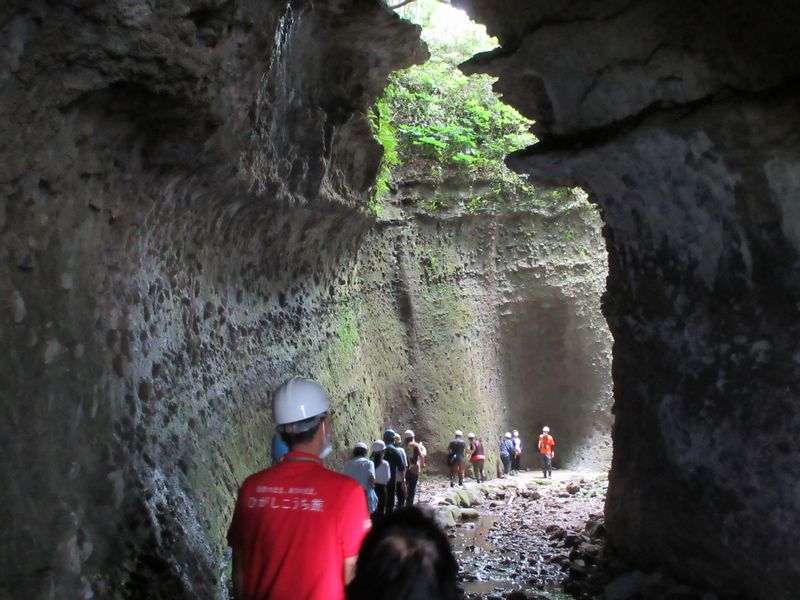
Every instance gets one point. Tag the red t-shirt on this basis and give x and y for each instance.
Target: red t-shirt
(293, 526)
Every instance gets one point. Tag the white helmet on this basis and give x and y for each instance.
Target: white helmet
(546, 429)
(470, 435)
(378, 446)
(507, 434)
(299, 400)
(516, 433)
(408, 434)
(459, 433)
(361, 445)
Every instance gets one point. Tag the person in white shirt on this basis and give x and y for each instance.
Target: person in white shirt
(383, 473)
(515, 460)
(362, 470)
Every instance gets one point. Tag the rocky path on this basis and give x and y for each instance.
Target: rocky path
(513, 537)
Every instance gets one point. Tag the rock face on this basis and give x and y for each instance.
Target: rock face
(182, 227)
(531, 281)
(681, 122)
(155, 282)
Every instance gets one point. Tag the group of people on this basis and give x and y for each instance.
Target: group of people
(511, 452)
(460, 452)
(391, 474)
(304, 532)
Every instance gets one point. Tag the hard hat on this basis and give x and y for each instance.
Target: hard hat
(515, 432)
(361, 445)
(470, 435)
(378, 446)
(408, 433)
(388, 436)
(459, 433)
(507, 434)
(299, 400)
(546, 429)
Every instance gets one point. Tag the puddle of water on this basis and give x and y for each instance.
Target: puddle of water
(473, 536)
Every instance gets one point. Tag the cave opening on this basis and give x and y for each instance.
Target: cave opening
(445, 137)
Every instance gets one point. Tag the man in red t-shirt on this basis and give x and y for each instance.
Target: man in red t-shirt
(297, 527)
(546, 443)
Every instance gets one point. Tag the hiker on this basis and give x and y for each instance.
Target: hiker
(382, 477)
(406, 556)
(396, 458)
(361, 469)
(477, 457)
(279, 448)
(455, 457)
(297, 527)
(515, 462)
(400, 490)
(546, 443)
(415, 452)
(506, 452)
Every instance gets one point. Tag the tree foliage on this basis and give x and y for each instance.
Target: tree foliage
(457, 121)
(433, 118)
(381, 121)
(434, 122)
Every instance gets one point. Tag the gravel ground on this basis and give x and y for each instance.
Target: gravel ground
(517, 547)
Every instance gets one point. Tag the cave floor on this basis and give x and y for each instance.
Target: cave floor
(518, 547)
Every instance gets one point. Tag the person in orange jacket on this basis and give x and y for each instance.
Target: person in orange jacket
(546, 443)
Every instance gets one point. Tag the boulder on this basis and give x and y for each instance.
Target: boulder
(469, 514)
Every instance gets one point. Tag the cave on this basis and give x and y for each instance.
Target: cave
(183, 224)
(556, 365)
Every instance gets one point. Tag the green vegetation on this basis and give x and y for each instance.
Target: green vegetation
(442, 116)
(435, 123)
(381, 121)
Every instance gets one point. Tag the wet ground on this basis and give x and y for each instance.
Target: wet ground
(513, 546)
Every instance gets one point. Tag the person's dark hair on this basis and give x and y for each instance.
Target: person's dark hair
(377, 458)
(359, 452)
(388, 437)
(303, 437)
(405, 556)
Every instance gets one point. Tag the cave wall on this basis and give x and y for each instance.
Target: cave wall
(178, 230)
(680, 121)
(182, 226)
(476, 284)
(555, 343)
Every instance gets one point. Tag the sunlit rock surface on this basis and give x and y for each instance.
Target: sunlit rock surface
(681, 121)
